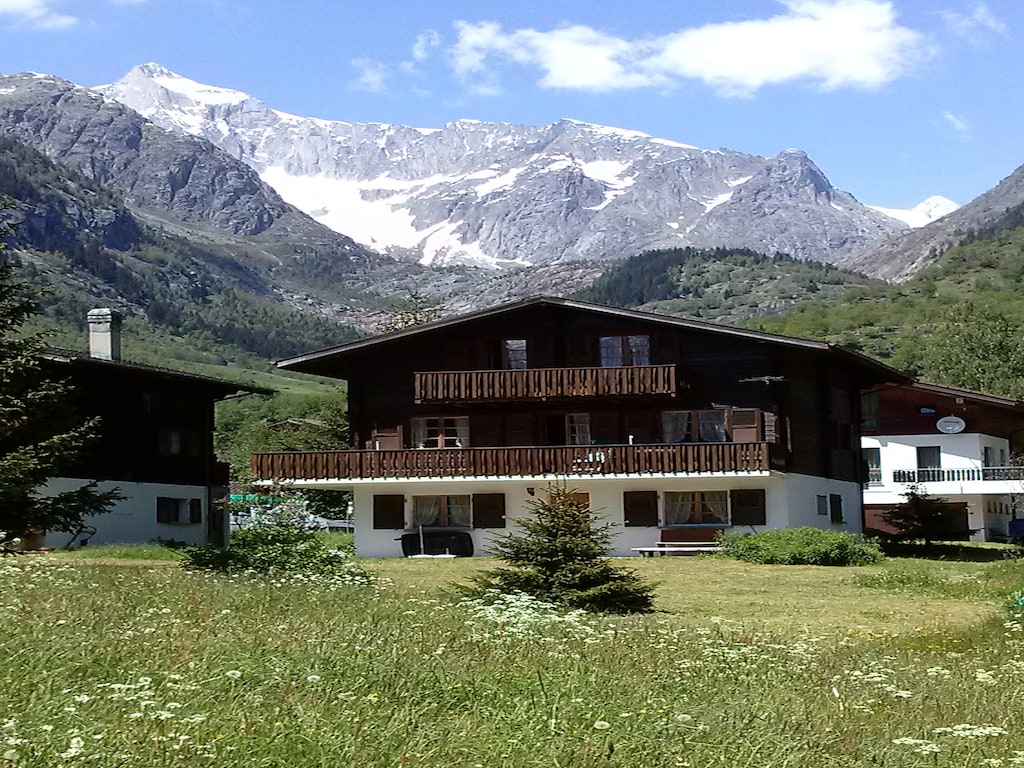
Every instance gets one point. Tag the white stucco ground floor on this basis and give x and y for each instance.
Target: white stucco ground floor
(638, 508)
(150, 512)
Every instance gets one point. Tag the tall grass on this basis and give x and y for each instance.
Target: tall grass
(119, 664)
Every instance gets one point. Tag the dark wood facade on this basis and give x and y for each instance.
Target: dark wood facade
(532, 387)
(153, 425)
(915, 410)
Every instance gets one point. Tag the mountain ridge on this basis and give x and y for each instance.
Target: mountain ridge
(498, 194)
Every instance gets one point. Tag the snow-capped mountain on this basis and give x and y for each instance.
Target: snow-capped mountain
(925, 212)
(502, 194)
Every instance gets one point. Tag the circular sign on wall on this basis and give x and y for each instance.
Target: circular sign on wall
(950, 425)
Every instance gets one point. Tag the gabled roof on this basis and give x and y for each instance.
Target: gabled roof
(303, 362)
(223, 387)
(967, 394)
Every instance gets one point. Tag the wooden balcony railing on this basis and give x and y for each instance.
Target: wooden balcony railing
(539, 383)
(690, 458)
(957, 475)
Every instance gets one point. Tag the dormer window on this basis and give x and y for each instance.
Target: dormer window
(618, 351)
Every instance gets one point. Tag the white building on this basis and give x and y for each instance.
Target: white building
(951, 443)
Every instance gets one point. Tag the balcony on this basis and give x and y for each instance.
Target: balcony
(958, 475)
(562, 461)
(543, 383)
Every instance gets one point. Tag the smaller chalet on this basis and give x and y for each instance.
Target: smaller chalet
(673, 429)
(952, 443)
(155, 444)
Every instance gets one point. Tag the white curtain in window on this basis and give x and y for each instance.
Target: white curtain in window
(459, 511)
(715, 507)
(419, 433)
(711, 426)
(675, 426)
(426, 510)
(579, 428)
(462, 432)
(679, 507)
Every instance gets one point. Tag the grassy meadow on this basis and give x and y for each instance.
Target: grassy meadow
(129, 662)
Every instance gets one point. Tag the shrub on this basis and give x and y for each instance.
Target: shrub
(561, 557)
(801, 546)
(276, 549)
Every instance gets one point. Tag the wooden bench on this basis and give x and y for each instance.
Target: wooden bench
(676, 548)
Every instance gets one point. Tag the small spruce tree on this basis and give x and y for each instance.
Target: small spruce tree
(560, 556)
(921, 516)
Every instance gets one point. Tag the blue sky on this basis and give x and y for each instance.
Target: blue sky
(894, 100)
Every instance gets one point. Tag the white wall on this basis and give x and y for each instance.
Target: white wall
(133, 521)
(790, 501)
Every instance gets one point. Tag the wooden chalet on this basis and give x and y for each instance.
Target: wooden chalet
(154, 443)
(954, 444)
(675, 429)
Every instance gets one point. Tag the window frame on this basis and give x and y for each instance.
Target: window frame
(698, 506)
(442, 434)
(624, 351)
(173, 510)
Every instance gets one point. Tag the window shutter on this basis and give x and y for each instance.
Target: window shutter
(748, 506)
(388, 511)
(746, 424)
(195, 511)
(835, 507)
(581, 352)
(640, 508)
(488, 510)
(166, 510)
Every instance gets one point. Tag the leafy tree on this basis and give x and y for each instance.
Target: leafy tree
(921, 516)
(414, 309)
(39, 434)
(977, 347)
(561, 556)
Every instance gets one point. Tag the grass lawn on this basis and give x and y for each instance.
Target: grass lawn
(120, 662)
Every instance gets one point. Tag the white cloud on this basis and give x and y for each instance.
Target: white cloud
(973, 25)
(956, 122)
(834, 43)
(425, 43)
(35, 13)
(372, 76)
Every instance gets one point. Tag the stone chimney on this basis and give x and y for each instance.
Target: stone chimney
(105, 334)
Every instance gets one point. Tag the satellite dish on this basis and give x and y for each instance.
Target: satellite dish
(950, 425)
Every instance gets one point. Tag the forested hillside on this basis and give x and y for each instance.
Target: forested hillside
(79, 243)
(959, 321)
(727, 285)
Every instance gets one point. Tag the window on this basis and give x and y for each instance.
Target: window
(442, 432)
(694, 426)
(178, 442)
(873, 463)
(822, 505)
(696, 507)
(617, 351)
(481, 510)
(442, 511)
(179, 511)
(869, 410)
(577, 426)
(711, 426)
(514, 352)
(928, 464)
(676, 427)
